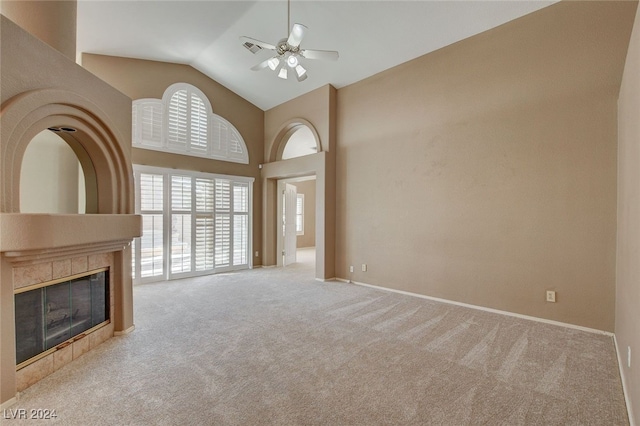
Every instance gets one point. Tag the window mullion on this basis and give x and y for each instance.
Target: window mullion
(232, 222)
(136, 241)
(250, 226)
(167, 217)
(194, 218)
(188, 118)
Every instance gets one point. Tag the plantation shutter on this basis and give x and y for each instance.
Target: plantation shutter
(198, 121)
(204, 240)
(240, 223)
(178, 119)
(219, 137)
(151, 247)
(147, 122)
(180, 224)
(183, 122)
(236, 151)
(222, 223)
(194, 223)
(300, 214)
(226, 141)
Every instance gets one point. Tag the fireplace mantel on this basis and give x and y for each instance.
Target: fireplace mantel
(32, 236)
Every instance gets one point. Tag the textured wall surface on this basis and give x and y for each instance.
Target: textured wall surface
(485, 172)
(628, 271)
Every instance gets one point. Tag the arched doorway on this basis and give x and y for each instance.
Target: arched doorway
(318, 164)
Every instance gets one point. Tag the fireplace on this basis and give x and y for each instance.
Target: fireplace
(45, 257)
(50, 316)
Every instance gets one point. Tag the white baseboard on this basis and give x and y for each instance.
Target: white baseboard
(627, 398)
(8, 403)
(123, 332)
(324, 280)
(483, 308)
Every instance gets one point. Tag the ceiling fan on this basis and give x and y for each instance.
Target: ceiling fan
(289, 55)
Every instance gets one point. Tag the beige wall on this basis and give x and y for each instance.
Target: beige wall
(308, 188)
(317, 109)
(314, 107)
(149, 79)
(628, 270)
(52, 21)
(50, 177)
(485, 172)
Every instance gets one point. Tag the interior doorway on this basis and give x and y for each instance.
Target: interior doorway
(321, 165)
(296, 221)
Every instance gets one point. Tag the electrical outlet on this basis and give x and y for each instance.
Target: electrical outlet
(364, 267)
(629, 356)
(351, 268)
(257, 254)
(551, 296)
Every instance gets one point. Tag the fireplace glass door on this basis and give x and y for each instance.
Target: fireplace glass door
(50, 315)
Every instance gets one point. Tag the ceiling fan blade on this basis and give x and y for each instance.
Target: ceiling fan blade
(327, 55)
(254, 45)
(297, 34)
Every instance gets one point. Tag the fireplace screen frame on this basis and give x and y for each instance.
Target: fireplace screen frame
(56, 320)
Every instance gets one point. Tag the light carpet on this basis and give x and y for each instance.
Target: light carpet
(274, 346)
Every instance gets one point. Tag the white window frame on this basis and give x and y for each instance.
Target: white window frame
(300, 200)
(137, 242)
(168, 221)
(224, 141)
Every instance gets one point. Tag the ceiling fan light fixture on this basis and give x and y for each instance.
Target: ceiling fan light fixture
(301, 71)
(292, 61)
(288, 53)
(273, 63)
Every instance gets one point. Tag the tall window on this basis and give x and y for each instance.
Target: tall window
(300, 214)
(194, 223)
(150, 247)
(183, 122)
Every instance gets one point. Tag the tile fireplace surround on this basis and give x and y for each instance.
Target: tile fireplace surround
(33, 274)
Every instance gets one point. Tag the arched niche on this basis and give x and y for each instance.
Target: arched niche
(57, 175)
(95, 141)
(300, 143)
(302, 135)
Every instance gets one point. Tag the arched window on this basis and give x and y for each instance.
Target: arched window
(183, 122)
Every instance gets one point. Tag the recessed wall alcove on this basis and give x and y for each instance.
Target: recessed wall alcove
(41, 248)
(52, 178)
(296, 138)
(299, 140)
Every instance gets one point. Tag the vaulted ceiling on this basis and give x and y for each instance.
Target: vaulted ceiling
(371, 36)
